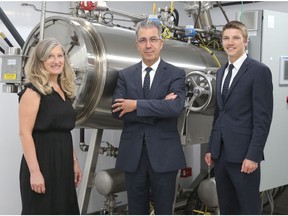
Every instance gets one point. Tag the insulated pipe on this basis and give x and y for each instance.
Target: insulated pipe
(11, 28)
(6, 39)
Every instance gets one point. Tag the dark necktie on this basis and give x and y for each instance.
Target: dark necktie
(146, 84)
(226, 82)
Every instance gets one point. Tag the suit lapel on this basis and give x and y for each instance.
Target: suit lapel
(242, 70)
(220, 75)
(138, 80)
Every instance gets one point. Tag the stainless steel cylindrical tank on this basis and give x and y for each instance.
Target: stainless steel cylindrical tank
(110, 181)
(97, 52)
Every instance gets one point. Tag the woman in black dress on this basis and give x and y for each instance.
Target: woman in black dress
(49, 172)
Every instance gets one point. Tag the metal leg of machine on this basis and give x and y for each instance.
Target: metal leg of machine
(89, 170)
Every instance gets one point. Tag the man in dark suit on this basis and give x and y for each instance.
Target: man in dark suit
(241, 125)
(150, 151)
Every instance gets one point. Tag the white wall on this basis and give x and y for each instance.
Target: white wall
(24, 19)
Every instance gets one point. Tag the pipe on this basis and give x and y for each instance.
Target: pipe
(82, 136)
(198, 14)
(11, 28)
(234, 3)
(82, 144)
(33, 6)
(134, 18)
(42, 22)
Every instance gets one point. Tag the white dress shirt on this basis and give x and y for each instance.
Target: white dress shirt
(237, 64)
(152, 72)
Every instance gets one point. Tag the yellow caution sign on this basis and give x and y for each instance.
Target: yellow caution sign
(10, 76)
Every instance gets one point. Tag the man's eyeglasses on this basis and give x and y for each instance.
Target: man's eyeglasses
(152, 40)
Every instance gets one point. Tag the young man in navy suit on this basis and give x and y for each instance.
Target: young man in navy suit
(148, 98)
(241, 125)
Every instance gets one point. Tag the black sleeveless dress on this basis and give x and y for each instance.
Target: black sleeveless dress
(54, 149)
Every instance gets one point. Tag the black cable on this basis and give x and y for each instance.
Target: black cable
(176, 17)
(199, 11)
(2, 50)
(11, 28)
(224, 13)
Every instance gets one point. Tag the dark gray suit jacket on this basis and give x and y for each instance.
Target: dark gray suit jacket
(154, 120)
(243, 119)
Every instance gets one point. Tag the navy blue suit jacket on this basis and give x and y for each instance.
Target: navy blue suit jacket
(156, 118)
(243, 119)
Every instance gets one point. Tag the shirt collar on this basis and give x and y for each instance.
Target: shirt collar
(237, 64)
(154, 66)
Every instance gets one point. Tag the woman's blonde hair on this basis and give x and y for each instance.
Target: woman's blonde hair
(39, 77)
